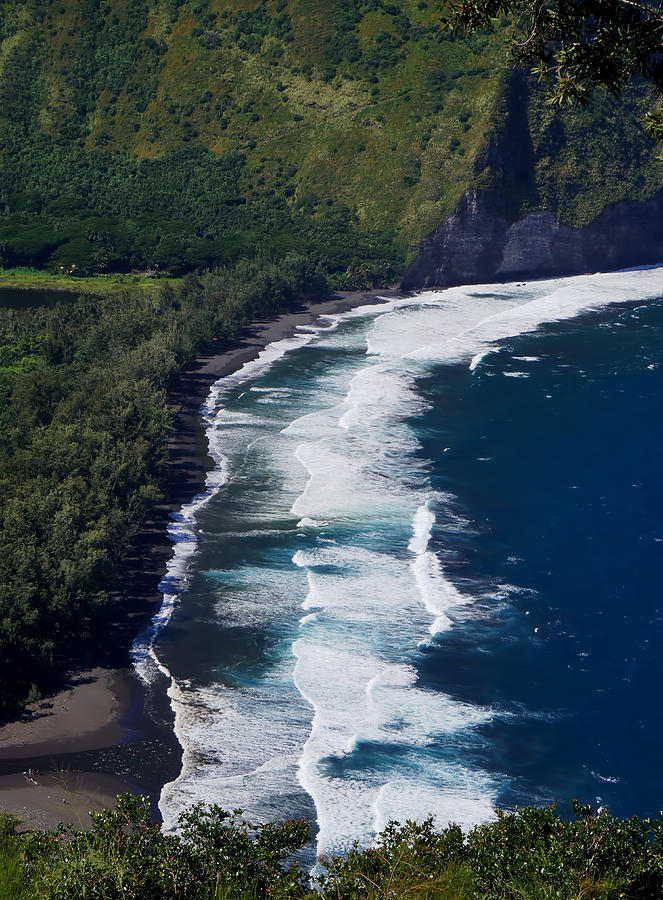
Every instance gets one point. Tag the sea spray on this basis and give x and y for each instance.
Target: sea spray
(364, 618)
(183, 533)
(438, 594)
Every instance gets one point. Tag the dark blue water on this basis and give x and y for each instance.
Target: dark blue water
(560, 473)
(425, 577)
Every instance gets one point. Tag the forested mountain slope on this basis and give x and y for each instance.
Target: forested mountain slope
(182, 134)
(292, 146)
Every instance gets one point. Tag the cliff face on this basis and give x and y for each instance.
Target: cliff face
(158, 133)
(209, 131)
(476, 244)
(551, 194)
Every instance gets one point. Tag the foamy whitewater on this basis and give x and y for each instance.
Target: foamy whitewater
(321, 589)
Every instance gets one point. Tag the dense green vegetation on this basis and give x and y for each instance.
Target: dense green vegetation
(179, 136)
(267, 141)
(531, 854)
(31, 280)
(537, 158)
(83, 426)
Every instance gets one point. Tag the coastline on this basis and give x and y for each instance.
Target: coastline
(103, 733)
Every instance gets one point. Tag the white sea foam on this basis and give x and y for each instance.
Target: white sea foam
(378, 395)
(422, 526)
(183, 531)
(479, 357)
(546, 301)
(239, 750)
(438, 594)
(610, 779)
(306, 522)
(253, 367)
(343, 714)
(450, 793)
(360, 699)
(276, 392)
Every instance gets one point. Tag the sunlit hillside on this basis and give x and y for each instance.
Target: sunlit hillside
(178, 135)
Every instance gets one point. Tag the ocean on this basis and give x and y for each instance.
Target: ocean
(425, 575)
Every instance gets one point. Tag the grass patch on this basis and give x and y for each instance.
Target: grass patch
(103, 285)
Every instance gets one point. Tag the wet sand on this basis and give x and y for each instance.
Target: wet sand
(36, 783)
(104, 733)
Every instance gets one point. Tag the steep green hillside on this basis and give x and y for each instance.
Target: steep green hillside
(573, 162)
(587, 158)
(183, 134)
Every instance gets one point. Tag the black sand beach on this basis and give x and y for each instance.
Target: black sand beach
(103, 733)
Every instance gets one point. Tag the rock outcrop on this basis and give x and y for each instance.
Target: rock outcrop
(477, 244)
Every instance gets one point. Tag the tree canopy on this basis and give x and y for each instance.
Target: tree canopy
(576, 45)
(84, 419)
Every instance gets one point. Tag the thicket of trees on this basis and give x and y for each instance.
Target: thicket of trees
(90, 212)
(71, 199)
(529, 854)
(83, 426)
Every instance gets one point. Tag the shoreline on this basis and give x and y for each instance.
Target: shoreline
(104, 733)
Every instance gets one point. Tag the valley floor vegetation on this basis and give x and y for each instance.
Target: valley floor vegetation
(84, 420)
(531, 853)
(29, 280)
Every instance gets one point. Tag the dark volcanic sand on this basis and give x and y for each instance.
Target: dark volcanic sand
(103, 733)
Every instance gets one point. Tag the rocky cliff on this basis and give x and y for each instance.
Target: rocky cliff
(476, 243)
(552, 193)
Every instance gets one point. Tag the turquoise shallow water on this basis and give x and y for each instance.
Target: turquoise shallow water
(425, 576)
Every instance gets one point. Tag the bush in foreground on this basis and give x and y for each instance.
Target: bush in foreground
(530, 854)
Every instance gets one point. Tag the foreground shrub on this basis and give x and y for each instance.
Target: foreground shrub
(125, 855)
(412, 860)
(530, 854)
(595, 855)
